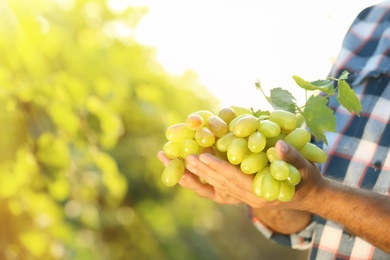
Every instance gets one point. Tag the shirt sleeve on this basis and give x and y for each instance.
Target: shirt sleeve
(300, 241)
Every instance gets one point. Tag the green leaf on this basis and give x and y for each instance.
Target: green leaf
(325, 85)
(282, 99)
(322, 85)
(260, 113)
(319, 117)
(348, 98)
(344, 75)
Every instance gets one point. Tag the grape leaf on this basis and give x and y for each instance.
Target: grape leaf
(344, 75)
(322, 85)
(282, 99)
(319, 117)
(260, 113)
(348, 98)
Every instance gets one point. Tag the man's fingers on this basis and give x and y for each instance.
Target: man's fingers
(161, 156)
(219, 173)
(192, 182)
(210, 167)
(289, 154)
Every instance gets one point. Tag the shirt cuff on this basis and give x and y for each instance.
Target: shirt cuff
(301, 240)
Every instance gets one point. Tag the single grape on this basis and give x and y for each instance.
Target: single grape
(204, 137)
(257, 181)
(227, 114)
(202, 180)
(234, 121)
(279, 170)
(171, 149)
(173, 172)
(245, 126)
(256, 142)
(294, 177)
(241, 110)
(179, 132)
(217, 126)
(224, 142)
(286, 120)
(270, 188)
(268, 128)
(313, 153)
(253, 162)
(194, 121)
(298, 137)
(209, 149)
(188, 147)
(286, 192)
(205, 114)
(272, 155)
(237, 150)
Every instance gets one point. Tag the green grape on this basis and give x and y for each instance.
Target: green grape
(227, 114)
(313, 153)
(272, 155)
(298, 137)
(179, 132)
(209, 149)
(245, 126)
(256, 142)
(241, 110)
(173, 172)
(217, 126)
(187, 147)
(270, 188)
(171, 149)
(194, 121)
(234, 121)
(286, 120)
(221, 155)
(279, 170)
(286, 192)
(202, 180)
(237, 150)
(268, 128)
(257, 181)
(253, 162)
(204, 137)
(205, 114)
(224, 142)
(294, 177)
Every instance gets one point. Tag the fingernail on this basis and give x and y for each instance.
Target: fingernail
(190, 160)
(203, 159)
(191, 168)
(190, 164)
(283, 146)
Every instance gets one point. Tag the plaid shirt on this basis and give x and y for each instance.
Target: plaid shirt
(359, 149)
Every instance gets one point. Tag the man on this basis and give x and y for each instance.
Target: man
(342, 208)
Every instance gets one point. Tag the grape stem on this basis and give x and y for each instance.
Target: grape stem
(258, 85)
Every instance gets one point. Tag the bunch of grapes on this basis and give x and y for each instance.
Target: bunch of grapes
(242, 138)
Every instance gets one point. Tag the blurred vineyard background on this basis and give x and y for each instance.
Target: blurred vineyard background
(83, 111)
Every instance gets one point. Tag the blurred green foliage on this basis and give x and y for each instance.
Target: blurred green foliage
(83, 110)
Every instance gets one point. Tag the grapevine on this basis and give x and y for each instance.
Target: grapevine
(247, 138)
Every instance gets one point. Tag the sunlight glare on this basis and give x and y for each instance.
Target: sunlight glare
(232, 44)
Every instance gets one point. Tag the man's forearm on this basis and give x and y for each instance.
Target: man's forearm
(365, 214)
